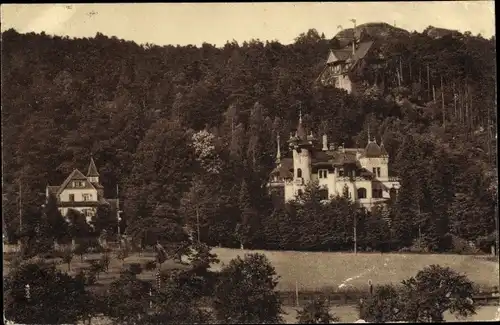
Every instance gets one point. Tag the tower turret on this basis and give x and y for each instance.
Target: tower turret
(92, 173)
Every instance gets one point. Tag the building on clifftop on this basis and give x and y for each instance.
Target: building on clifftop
(355, 67)
(363, 173)
(81, 193)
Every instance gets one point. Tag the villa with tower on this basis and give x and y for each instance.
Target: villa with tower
(83, 193)
(362, 174)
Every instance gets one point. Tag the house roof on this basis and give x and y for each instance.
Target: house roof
(283, 171)
(75, 175)
(383, 152)
(92, 170)
(372, 150)
(345, 53)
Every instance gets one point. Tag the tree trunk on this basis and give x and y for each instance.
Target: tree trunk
(442, 103)
(428, 82)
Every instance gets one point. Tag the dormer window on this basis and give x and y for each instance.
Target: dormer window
(78, 184)
(323, 173)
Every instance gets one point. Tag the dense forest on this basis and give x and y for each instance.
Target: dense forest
(188, 133)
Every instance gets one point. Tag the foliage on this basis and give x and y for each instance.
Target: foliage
(157, 117)
(423, 298)
(435, 290)
(53, 297)
(128, 299)
(316, 312)
(384, 306)
(245, 292)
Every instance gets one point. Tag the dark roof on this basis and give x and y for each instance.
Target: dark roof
(92, 171)
(372, 150)
(360, 52)
(301, 132)
(97, 185)
(383, 152)
(75, 175)
(282, 172)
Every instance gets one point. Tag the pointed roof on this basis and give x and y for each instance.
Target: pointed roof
(301, 132)
(92, 171)
(75, 175)
(383, 152)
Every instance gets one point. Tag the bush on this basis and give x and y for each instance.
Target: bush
(462, 247)
(150, 265)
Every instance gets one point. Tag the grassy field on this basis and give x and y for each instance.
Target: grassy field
(337, 271)
(323, 271)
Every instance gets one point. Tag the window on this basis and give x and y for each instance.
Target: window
(361, 193)
(77, 184)
(322, 173)
(300, 192)
(378, 171)
(323, 194)
(87, 197)
(72, 197)
(341, 172)
(377, 193)
(299, 173)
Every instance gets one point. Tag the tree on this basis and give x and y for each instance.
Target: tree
(176, 303)
(104, 220)
(82, 248)
(78, 226)
(385, 305)
(67, 257)
(433, 291)
(316, 312)
(128, 299)
(245, 292)
(52, 297)
(248, 216)
(423, 298)
(58, 227)
(123, 253)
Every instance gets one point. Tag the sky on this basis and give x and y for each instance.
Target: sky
(217, 23)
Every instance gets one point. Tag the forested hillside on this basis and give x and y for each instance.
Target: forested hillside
(139, 110)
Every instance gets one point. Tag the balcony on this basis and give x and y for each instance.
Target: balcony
(299, 181)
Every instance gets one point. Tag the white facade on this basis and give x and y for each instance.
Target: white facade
(79, 192)
(364, 173)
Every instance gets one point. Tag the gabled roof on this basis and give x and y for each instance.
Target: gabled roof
(360, 52)
(75, 175)
(92, 170)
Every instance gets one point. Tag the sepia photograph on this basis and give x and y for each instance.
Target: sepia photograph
(249, 163)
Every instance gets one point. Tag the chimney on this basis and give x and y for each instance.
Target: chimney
(325, 142)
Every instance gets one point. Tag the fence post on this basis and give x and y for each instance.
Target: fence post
(296, 293)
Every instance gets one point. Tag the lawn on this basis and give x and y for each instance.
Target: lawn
(343, 271)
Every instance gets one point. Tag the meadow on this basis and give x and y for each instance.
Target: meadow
(319, 271)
